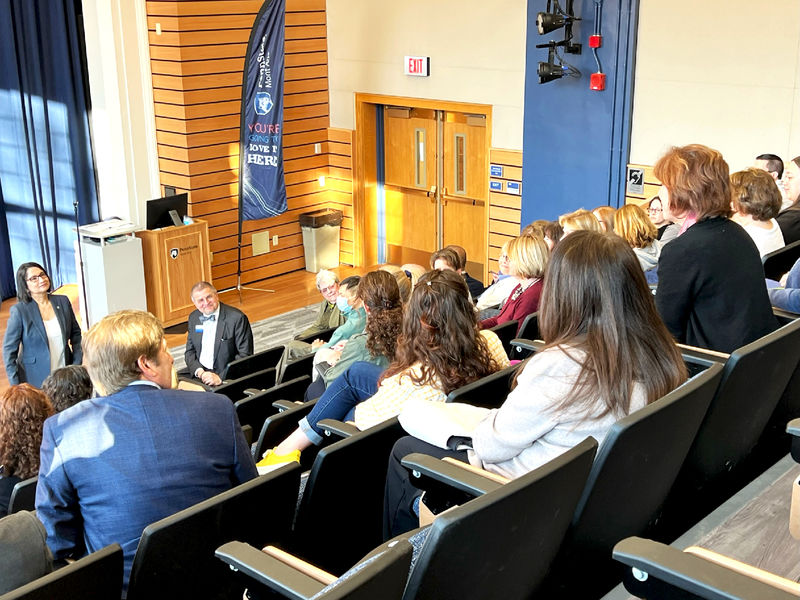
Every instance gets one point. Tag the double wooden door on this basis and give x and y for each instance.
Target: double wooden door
(435, 184)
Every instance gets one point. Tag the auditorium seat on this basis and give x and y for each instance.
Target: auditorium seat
(499, 545)
(175, 556)
(324, 335)
(630, 478)
(277, 428)
(235, 389)
(753, 380)
(253, 411)
(506, 332)
(779, 262)
(23, 496)
(490, 391)
(655, 571)
(381, 575)
(530, 327)
(240, 367)
(97, 576)
(297, 368)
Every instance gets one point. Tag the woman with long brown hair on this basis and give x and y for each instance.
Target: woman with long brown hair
(607, 354)
(439, 350)
(23, 410)
(380, 294)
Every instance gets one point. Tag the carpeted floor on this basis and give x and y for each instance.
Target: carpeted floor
(269, 332)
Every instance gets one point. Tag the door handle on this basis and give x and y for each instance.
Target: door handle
(431, 193)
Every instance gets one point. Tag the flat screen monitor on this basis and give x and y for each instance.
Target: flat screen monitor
(158, 210)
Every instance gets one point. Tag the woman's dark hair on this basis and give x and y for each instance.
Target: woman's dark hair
(351, 283)
(67, 386)
(440, 333)
(379, 292)
(23, 294)
(23, 410)
(596, 300)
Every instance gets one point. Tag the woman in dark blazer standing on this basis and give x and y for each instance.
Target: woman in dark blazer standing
(42, 333)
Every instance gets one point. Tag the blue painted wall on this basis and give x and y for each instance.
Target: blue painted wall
(576, 141)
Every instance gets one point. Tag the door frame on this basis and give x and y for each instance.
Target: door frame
(364, 165)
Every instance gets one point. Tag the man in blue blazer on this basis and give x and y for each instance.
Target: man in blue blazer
(140, 452)
(218, 334)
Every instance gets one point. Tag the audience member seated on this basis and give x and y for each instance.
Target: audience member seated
(551, 231)
(711, 289)
(756, 201)
(773, 164)
(500, 290)
(579, 220)
(218, 334)
(476, 288)
(42, 333)
(632, 225)
(140, 451)
(666, 229)
(380, 295)
(67, 386)
(787, 295)
(414, 272)
(528, 256)
(349, 307)
(439, 351)
(789, 219)
(607, 354)
(23, 410)
(24, 555)
(329, 314)
(403, 280)
(605, 216)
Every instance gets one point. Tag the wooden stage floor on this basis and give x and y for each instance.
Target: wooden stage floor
(293, 290)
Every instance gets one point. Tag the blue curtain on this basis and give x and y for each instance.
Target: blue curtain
(46, 163)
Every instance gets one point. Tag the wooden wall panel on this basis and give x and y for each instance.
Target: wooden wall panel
(504, 208)
(197, 53)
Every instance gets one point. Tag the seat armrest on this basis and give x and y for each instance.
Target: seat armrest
(793, 427)
(340, 428)
(652, 564)
(449, 473)
(283, 405)
(704, 353)
(786, 585)
(532, 345)
(268, 570)
(784, 316)
(250, 392)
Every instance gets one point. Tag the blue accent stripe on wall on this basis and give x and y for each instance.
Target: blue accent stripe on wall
(576, 141)
(381, 179)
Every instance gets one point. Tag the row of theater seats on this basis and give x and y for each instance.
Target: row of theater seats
(548, 534)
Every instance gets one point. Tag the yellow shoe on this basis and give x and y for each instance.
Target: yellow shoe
(271, 461)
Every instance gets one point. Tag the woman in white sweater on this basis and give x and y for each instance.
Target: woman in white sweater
(756, 200)
(607, 354)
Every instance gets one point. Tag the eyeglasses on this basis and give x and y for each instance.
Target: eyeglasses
(38, 277)
(654, 210)
(503, 257)
(330, 288)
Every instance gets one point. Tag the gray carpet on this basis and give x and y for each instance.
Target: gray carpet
(269, 332)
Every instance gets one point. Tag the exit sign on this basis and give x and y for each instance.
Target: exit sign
(418, 66)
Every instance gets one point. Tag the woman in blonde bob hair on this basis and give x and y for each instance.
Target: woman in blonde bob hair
(527, 256)
(633, 225)
(579, 220)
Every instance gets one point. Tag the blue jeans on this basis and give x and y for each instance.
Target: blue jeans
(356, 384)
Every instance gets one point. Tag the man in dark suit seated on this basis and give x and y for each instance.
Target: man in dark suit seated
(218, 334)
(138, 452)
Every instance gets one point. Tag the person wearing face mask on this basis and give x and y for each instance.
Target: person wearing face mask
(348, 305)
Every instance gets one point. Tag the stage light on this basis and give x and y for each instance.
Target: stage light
(547, 22)
(548, 71)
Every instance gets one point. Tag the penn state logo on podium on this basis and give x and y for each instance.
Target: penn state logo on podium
(173, 253)
(263, 103)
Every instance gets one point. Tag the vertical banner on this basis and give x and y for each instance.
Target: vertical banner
(262, 190)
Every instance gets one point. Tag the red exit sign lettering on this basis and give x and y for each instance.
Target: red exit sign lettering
(418, 66)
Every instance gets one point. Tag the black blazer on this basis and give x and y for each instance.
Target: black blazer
(234, 339)
(26, 352)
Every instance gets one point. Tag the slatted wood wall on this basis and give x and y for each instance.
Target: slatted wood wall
(651, 185)
(197, 53)
(504, 208)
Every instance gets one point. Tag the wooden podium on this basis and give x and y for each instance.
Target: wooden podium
(175, 258)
